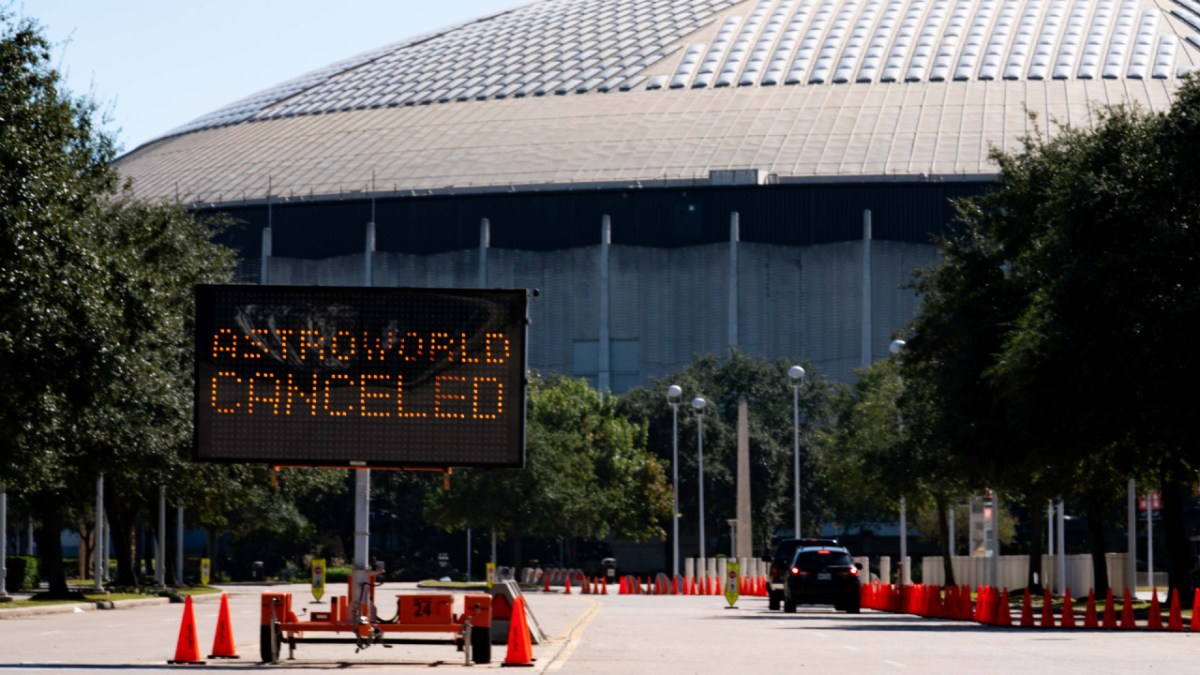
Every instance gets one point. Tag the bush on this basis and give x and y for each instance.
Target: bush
(22, 573)
(338, 574)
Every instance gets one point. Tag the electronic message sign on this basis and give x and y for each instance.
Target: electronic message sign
(337, 376)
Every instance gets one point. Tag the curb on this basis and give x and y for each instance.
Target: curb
(80, 607)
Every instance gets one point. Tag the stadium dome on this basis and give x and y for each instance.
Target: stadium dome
(606, 150)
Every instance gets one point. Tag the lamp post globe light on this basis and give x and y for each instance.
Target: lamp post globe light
(674, 397)
(698, 406)
(896, 347)
(796, 375)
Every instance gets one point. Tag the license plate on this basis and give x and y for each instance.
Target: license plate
(824, 576)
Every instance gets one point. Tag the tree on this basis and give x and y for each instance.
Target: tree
(768, 393)
(1086, 251)
(587, 475)
(94, 309)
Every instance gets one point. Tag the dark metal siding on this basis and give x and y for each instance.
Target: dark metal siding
(789, 214)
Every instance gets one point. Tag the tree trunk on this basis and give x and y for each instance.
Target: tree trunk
(121, 520)
(942, 505)
(49, 543)
(1037, 525)
(1095, 513)
(1176, 488)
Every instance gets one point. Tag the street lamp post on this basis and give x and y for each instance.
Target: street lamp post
(674, 394)
(698, 405)
(895, 348)
(796, 375)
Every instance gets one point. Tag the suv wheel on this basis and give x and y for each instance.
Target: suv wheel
(773, 600)
(789, 606)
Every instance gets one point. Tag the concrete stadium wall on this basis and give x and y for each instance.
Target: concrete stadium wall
(794, 303)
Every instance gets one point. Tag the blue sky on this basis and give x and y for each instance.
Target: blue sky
(156, 64)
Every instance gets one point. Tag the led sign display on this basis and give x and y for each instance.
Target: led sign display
(343, 376)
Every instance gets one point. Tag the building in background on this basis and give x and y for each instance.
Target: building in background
(676, 177)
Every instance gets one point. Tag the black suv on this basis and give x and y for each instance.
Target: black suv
(822, 575)
(785, 550)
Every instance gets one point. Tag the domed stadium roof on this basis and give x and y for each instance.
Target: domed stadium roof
(582, 93)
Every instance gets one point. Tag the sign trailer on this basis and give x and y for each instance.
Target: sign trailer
(396, 378)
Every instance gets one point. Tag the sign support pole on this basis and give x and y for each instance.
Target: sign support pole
(362, 543)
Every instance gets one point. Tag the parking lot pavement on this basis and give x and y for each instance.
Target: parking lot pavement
(638, 635)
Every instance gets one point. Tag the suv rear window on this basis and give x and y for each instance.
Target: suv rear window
(815, 559)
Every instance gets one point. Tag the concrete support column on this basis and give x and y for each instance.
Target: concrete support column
(485, 242)
(743, 533)
(369, 255)
(865, 344)
(263, 273)
(604, 366)
(734, 237)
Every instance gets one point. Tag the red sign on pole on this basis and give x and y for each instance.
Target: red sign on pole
(1155, 502)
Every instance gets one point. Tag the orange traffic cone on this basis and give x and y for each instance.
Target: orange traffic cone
(1175, 619)
(1047, 610)
(1194, 626)
(520, 647)
(1005, 612)
(1110, 614)
(1127, 613)
(546, 583)
(1068, 612)
(604, 587)
(223, 647)
(1154, 621)
(187, 648)
(567, 585)
(674, 585)
(1089, 617)
(1026, 611)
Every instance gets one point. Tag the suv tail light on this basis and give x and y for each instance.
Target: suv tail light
(797, 572)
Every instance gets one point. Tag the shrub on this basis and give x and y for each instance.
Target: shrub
(22, 573)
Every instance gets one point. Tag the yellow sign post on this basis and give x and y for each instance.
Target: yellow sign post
(318, 578)
(491, 574)
(205, 571)
(733, 578)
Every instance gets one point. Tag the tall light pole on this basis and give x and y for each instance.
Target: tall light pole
(895, 348)
(698, 405)
(674, 397)
(796, 375)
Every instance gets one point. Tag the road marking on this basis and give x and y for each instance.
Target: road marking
(892, 663)
(573, 634)
(851, 648)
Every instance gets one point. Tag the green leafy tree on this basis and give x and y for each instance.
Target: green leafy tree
(95, 301)
(53, 344)
(587, 475)
(1087, 250)
(768, 393)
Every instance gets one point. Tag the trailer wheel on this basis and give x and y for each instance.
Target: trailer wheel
(481, 644)
(270, 640)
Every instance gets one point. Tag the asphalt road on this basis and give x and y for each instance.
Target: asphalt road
(612, 634)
